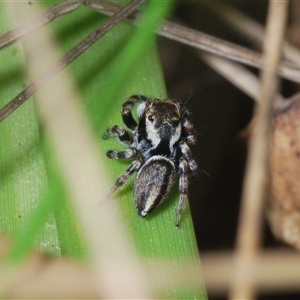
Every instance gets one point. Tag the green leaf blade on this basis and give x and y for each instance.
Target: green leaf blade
(94, 74)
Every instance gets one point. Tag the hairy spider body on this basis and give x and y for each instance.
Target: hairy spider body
(153, 183)
(159, 143)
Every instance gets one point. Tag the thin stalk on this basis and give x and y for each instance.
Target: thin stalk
(206, 42)
(68, 58)
(15, 33)
(256, 180)
(218, 271)
(249, 28)
(238, 75)
(169, 30)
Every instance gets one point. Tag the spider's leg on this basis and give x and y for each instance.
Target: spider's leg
(117, 131)
(134, 166)
(187, 154)
(183, 188)
(127, 108)
(128, 153)
(188, 129)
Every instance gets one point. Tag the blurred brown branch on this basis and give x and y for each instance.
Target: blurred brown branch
(257, 172)
(273, 271)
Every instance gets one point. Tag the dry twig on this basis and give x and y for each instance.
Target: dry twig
(206, 42)
(255, 186)
(240, 77)
(274, 271)
(249, 28)
(65, 60)
(169, 30)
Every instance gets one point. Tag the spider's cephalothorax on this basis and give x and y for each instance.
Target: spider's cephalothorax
(159, 143)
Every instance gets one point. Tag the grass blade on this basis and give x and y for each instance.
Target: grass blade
(94, 74)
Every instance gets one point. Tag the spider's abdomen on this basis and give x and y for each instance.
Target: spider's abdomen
(153, 183)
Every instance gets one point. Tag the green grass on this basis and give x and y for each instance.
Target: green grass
(35, 209)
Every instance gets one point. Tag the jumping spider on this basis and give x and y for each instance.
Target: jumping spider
(160, 146)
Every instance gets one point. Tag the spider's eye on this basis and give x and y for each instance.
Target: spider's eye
(150, 118)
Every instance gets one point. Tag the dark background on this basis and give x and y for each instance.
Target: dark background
(220, 112)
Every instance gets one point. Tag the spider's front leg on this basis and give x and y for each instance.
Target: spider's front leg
(117, 131)
(134, 166)
(127, 110)
(124, 137)
(183, 188)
